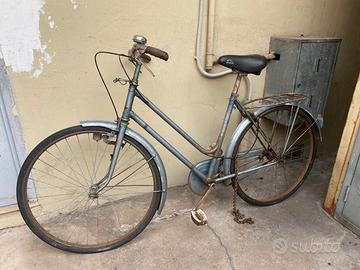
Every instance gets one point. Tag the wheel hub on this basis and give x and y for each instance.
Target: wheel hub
(269, 154)
(93, 192)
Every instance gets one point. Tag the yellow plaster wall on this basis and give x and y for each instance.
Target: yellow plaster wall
(69, 89)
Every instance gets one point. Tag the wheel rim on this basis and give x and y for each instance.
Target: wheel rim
(277, 128)
(62, 205)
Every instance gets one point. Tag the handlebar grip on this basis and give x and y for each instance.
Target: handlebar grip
(157, 53)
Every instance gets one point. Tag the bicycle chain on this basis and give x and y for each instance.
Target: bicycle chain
(239, 218)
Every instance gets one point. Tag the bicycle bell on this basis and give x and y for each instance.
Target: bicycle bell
(139, 39)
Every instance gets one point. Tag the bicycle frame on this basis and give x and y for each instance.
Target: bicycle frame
(214, 151)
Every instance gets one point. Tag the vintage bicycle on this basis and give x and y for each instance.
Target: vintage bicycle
(94, 187)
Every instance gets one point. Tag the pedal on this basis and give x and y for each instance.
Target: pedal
(199, 217)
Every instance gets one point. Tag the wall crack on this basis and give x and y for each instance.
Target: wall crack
(231, 263)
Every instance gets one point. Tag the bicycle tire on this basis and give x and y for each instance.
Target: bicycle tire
(241, 190)
(43, 234)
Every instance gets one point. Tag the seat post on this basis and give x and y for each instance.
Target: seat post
(237, 83)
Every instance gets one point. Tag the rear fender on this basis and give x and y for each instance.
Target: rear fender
(243, 126)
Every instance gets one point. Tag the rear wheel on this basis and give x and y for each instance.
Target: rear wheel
(275, 155)
(56, 194)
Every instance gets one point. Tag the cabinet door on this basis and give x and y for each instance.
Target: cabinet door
(348, 204)
(281, 74)
(351, 210)
(316, 64)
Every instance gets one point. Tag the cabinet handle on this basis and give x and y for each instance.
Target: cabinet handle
(317, 65)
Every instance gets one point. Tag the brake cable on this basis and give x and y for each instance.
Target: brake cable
(123, 81)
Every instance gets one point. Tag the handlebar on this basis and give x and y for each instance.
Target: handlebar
(140, 50)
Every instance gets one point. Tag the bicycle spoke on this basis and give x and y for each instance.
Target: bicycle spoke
(73, 200)
(129, 167)
(82, 153)
(92, 159)
(101, 160)
(75, 159)
(65, 163)
(59, 195)
(290, 130)
(73, 216)
(300, 137)
(76, 181)
(274, 128)
(63, 180)
(249, 162)
(132, 173)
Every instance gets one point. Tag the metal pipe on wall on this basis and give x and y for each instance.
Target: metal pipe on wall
(198, 47)
(209, 55)
(199, 65)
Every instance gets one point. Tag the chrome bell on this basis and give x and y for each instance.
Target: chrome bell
(139, 39)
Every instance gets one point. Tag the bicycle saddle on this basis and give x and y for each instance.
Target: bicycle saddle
(253, 63)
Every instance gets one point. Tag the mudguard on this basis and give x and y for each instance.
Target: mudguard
(136, 136)
(242, 127)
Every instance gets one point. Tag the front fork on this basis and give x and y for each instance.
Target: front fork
(122, 125)
(96, 188)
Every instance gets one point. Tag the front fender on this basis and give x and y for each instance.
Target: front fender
(242, 127)
(136, 136)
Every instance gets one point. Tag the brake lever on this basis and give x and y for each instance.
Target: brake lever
(137, 52)
(148, 69)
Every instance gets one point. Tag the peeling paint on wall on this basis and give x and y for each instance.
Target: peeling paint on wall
(44, 59)
(51, 22)
(75, 5)
(20, 35)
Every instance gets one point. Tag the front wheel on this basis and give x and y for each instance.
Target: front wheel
(274, 155)
(56, 196)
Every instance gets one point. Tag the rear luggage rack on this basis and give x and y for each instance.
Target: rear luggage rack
(287, 98)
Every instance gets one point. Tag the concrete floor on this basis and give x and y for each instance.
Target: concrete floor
(295, 234)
